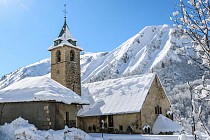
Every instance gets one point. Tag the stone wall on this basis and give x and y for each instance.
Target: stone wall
(41, 114)
(121, 123)
(67, 72)
(86, 122)
(44, 115)
(61, 119)
(156, 97)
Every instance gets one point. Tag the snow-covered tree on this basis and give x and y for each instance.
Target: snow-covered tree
(193, 18)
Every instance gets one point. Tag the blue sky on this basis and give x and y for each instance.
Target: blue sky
(28, 27)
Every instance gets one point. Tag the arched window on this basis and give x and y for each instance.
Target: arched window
(158, 110)
(72, 55)
(58, 56)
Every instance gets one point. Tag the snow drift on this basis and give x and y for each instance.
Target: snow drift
(21, 129)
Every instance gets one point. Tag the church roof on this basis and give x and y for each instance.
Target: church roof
(41, 88)
(116, 96)
(164, 124)
(64, 37)
(65, 32)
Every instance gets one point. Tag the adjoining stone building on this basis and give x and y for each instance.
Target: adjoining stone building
(40, 100)
(126, 105)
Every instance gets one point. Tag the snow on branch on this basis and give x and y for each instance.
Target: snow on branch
(193, 17)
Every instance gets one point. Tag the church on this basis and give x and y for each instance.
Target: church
(51, 101)
(125, 105)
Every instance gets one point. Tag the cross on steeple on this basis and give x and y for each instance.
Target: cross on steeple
(65, 11)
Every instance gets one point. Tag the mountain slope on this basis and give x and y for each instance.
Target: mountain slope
(153, 49)
(137, 55)
(37, 69)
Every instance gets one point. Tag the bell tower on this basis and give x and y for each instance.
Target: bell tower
(65, 60)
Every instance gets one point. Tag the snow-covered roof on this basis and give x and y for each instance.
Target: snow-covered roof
(65, 32)
(41, 88)
(63, 43)
(64, 36)
(164, 124)
(116, 96)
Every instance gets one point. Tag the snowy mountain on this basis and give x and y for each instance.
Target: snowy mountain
(37, 69)
(153, 49)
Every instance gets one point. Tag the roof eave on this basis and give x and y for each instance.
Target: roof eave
(62, 45)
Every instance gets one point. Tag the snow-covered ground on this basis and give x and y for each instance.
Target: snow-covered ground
(20, 129)
(140, 137)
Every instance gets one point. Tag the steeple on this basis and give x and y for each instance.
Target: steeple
(65, 59)
(65, 37)
(63, 30)
(65, 33)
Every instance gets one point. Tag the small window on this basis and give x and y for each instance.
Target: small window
(121, 128)
(57, 42)
(72, 55)
(158, 110)
(72, 42)
(67, 119)
(58, 56)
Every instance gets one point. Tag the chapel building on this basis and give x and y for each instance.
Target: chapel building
(135, 104)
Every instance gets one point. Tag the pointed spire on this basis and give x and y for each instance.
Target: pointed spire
(65, 37)
(65, 32)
